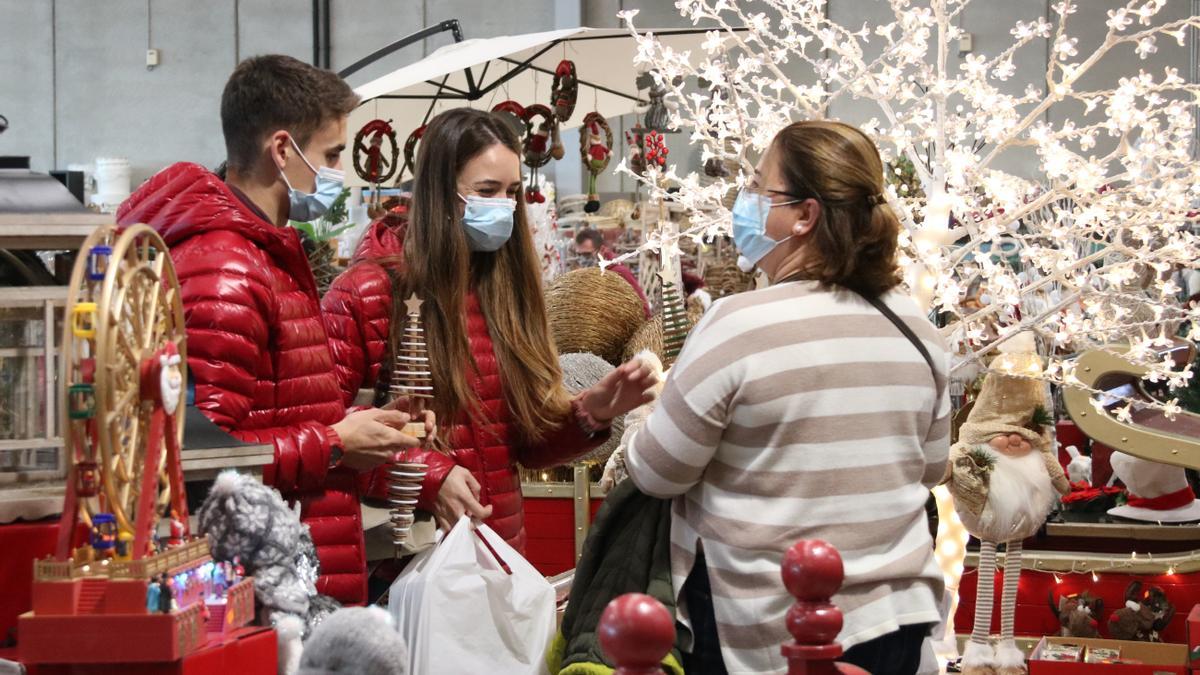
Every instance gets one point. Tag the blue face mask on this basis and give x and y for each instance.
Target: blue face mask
(306, 207)
(488, 221)
(750, 212)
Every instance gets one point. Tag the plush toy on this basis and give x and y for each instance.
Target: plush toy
(1004, 475)
(1078, 614)
(1145, 614)
(595, 146)
(539, 124)
(355, 640)
(633, 151)
(250, 524)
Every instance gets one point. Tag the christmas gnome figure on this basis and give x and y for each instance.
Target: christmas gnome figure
(1003, 474)
(597, 158)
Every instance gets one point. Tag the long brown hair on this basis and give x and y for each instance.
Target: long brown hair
(440, 268)
(855, 241)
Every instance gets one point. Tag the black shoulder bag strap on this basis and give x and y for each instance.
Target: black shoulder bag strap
(899, 323)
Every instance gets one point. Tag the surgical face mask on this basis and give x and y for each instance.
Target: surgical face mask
(306, 207)
(488, 221)
(750, 212)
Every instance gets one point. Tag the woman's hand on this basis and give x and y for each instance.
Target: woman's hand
(459, 495)
(620, 391)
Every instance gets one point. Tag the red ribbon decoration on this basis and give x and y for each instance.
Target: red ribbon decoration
(1172, 500)
(1083, 492)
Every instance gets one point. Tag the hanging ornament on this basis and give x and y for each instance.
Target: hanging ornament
(637, 163)
(513, 114)
(565, 90)
(654, 150)
(557, 151)
(596, 150)
(633, 142)
(410, 149)
(539, 125)
(372, 161)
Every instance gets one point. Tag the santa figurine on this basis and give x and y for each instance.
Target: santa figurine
(538, 140)
(178, 532)
(598, 152)
(1005, 477)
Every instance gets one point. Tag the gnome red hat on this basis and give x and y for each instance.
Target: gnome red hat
(1158, 493)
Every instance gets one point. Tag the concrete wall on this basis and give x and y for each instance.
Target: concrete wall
(74, 86)
(988, 22)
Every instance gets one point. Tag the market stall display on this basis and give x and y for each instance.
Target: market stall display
(124, 369)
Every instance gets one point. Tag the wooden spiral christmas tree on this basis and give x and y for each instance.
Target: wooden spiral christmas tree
(411, 379)
(674, 316)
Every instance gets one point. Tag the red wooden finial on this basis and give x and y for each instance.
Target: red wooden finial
(636, 632)
(812, 572)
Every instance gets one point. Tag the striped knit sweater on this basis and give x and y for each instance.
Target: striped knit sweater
(800, 412)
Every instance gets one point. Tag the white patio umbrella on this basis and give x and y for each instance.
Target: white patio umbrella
(484, 72)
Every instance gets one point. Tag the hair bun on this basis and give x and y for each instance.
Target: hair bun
(876, 200)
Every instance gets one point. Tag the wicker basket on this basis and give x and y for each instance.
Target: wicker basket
(724, 278)
(650, 335)
(593, 312)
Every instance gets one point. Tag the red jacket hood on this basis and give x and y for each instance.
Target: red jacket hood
(185, 200)
(382, 238)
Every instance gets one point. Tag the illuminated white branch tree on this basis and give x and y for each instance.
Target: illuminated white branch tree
(1096, 238)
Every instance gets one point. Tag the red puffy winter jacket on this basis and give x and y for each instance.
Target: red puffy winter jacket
(357, 311)
(258, 353)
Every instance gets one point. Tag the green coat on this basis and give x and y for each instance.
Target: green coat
(628, 550)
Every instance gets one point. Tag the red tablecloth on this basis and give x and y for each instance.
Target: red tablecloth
(20, 545)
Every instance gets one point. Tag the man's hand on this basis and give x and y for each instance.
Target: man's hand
(459, 495)
(371, 437)
(405, 404)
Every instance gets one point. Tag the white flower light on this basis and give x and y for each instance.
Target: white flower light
(1097, 231)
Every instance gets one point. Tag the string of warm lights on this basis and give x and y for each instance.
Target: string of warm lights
(1097, 231)
(1061, 565)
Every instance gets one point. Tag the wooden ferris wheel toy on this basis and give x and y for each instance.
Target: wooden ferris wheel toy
(124, 369)
(124, 366)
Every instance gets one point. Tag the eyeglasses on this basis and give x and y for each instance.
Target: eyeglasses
(766, 192)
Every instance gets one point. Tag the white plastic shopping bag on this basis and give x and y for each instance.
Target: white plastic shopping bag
(472, 604)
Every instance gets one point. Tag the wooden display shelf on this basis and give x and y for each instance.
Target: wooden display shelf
(48, 231)
(1128, 531)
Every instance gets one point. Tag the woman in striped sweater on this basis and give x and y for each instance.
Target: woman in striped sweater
(813, 408)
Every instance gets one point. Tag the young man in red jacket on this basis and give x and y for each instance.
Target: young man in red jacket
(258, 354)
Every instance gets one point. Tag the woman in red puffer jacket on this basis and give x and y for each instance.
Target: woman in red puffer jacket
(468, 254)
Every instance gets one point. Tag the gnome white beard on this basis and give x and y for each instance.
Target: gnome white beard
(1020, 496)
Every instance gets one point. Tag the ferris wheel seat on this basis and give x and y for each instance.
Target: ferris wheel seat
(82, 397)
(83, 320)
(98, 259)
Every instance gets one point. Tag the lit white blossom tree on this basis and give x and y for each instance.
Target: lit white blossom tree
(1085, 254)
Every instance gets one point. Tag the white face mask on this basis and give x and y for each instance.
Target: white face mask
(306, 207)
(488, 221)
